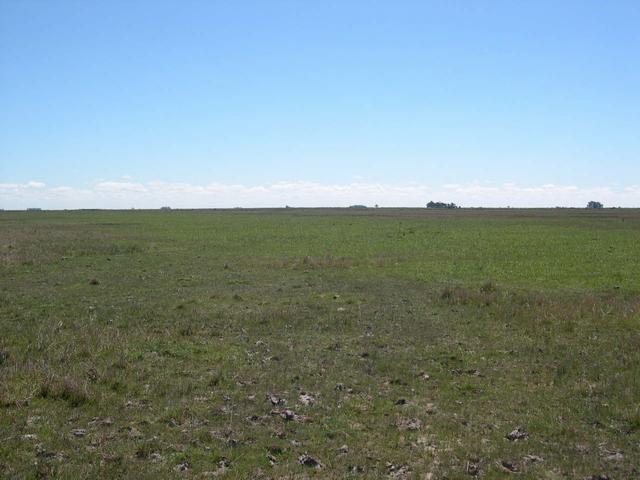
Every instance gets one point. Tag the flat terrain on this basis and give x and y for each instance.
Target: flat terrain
(328, 343)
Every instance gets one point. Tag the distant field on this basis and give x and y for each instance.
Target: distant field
(379, 343)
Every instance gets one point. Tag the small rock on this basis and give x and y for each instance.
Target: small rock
(275, 400)
(182, 466)
(132, 404)
(29, 436)
(533, 459)
(472, 468)
(398, 471)
(92, 374)
(430, 408)
(517, 434)
(612, 455)
(424, 376)
(42, 452)
(409, 424)
(156, 458)
(508, 466)
(343, 450)
(290, 415)
(339, 387)
(223, 466)
(97, 421)
(255, 419)
(472, 371)
(78, 432)
(306, 400)
(309, 461)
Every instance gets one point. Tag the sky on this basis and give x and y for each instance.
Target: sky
(205, 103)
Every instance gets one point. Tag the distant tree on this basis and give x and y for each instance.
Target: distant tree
(441, 205)
(357, 206)
(593, 204)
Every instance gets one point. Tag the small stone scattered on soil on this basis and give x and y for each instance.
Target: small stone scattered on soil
(509, 466)
(518, 434)
(275, 400)
(533, 459)
(472, 468)
(182, 466)
(306, 399)
(309, 461)
(409, 424)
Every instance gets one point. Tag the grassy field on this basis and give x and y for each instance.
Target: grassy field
(297, 343)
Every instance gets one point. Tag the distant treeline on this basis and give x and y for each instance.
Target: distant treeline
(441, 205)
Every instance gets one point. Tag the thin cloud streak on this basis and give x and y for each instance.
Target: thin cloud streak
(127, 194)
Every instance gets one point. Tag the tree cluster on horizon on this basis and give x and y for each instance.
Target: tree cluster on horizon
(433, 204)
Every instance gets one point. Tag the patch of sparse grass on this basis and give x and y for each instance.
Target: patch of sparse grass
(320, 343)
(65, 388)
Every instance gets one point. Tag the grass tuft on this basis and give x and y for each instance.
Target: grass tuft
(64, 388)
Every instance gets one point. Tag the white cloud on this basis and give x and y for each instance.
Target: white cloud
(20, 187)
(127, 194)
(119, 187)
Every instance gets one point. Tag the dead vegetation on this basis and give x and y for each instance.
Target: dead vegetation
(64, 388)
(487, 294)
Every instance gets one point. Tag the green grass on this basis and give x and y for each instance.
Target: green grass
(138, 344)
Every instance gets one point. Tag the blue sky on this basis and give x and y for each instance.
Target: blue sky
(164, 100)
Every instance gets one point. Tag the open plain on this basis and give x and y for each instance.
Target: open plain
(328, 343)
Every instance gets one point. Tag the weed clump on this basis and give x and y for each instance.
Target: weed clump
(65, 388)
(4, 356)
(455, 295)
(486, 295)
(488, 287)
